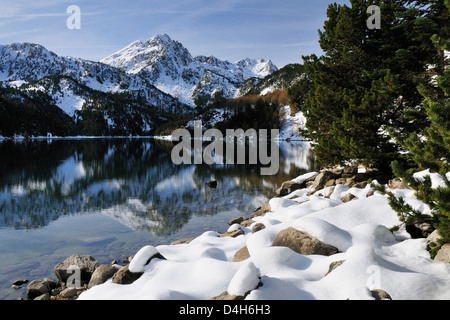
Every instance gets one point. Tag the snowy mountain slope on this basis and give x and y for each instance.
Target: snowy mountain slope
(291, 124)
(83, 110)
(281, 79)
(158, 78)
(277, 84)
(66, 93)
(30, 62)
(169, 66)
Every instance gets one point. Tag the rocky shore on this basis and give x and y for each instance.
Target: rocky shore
(79, 273)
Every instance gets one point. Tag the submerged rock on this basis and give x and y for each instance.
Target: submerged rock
(212, 184)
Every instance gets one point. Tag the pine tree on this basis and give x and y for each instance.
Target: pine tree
(367, 81)
(430, 149)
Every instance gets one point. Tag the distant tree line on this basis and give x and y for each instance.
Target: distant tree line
(34, 113)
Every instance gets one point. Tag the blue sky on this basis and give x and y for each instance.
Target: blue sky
(281, 30)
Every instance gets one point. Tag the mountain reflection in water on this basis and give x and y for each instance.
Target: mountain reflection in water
(131, 180)
(110, 197)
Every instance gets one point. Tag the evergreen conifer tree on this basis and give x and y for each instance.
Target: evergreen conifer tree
(430, 149)
(366, 81)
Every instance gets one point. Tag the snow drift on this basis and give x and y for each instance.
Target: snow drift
(370, 257)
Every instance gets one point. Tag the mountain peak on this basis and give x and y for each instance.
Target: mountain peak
(169, 66)
(160, 39)
(27, 48)
(163, 37)
(260, 67)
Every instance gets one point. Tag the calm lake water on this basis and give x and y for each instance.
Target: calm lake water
(110, 197)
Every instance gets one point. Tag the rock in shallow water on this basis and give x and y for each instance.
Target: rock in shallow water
(84, 263)
(101, 274)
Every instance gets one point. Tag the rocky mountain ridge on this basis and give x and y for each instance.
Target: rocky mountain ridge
(168, 65)
(23, 63)
(149, 83)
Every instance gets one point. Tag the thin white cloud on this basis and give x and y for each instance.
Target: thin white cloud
(17, 33)
(43, 15)
(276, 30)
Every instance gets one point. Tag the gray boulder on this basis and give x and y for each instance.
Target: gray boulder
(225, 296)
(101, 274)
(258, 227)
(233, 234)
(303, 243)
(443, 254)
(434, 237)
(397, 184)
(241, 255)
(349, 197)
(125, 276)
(37, 288)
(379, 294)
(261, 211)
(84, 263)
(237, 220)
(69, 293)
(289, 186)
(45, 296)
(334, 265)
(321, 180)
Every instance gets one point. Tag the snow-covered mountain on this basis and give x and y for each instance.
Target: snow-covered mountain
(169, 66)
(282, 79)
(136, 91)
(22, 63)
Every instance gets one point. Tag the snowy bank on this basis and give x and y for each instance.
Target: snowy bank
(291, 124)
(369, 256)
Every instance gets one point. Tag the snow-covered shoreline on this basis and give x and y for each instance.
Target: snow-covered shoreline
(369, 257)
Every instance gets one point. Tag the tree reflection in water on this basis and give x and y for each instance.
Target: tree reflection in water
(131, 180)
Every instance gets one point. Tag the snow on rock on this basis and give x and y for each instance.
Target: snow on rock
(246, 279)
(370, 257)
(280, 203)
(325, 232)
(304, 177)
(141, 258)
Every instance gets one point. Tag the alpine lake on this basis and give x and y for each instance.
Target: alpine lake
(109, 197)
